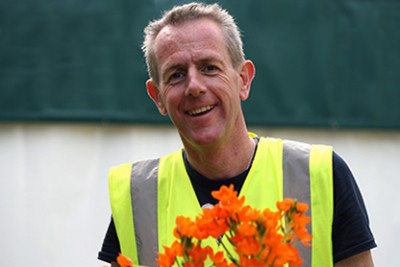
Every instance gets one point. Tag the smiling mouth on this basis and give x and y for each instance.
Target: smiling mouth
(200, 111)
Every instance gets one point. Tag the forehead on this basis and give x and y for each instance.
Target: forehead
(192, 38)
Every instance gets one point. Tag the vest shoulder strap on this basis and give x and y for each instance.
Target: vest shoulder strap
(144, 186)
(133, 194)
(119, 180)
(308, 177)
(321, 184)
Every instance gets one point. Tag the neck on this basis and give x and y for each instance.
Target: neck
(224, 160)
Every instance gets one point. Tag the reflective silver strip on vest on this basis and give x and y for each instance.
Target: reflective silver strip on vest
(296, 182)
(144, 209)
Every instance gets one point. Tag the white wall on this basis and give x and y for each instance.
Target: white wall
(54, 197)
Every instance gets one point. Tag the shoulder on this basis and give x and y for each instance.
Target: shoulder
(119, 173)
(143, 162)
(341, 167)
(345, 185)
(316, 152)
(289, 142)
(138, 166)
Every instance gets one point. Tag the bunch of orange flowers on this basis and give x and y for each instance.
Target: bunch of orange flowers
(259, 238)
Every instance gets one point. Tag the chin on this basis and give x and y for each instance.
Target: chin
(205, 138)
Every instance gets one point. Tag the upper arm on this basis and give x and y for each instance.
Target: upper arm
(351, 232)
(363, 259)
(110, 247)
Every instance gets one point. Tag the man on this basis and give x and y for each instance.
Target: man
(198, 77)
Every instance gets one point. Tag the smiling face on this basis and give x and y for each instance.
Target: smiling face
(199, 88)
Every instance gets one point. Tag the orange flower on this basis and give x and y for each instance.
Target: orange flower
(212, 222)
(285, 205)
(164, 261)
(272, 239)
(174, 250)
(185, 226)
(248, 246)
(252, 262)
(219, 260)
(258, 237)
(228, 198)
(247, 230)
(303, 235)
(124, 261)
(168, 258)
(217, 257)
(198, 254)
(299, 228)
(270, 219)
(247, 213)
(300, 219)
(301, 207)
(286, 253)
(225, 193)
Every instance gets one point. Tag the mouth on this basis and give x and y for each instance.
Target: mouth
(200, 111)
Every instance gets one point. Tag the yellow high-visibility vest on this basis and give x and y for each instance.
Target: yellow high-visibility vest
(147, 196)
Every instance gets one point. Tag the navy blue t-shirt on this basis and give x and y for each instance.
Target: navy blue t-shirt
(351, 233)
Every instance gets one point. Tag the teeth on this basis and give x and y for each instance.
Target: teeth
(200, 110)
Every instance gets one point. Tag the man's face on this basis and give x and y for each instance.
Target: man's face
(199, 88)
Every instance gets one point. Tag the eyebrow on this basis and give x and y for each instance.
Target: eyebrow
(172, 67)
(210, 59)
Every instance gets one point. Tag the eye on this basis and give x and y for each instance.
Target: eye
(176, 76)
(210, 69)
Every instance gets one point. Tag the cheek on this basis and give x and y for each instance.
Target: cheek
(230, 87)
(171, 99)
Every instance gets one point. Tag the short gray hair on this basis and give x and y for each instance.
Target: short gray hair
(189, 12)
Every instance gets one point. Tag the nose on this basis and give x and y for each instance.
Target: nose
(195, 83)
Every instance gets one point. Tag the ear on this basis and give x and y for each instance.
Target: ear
(154, 94)
(246, 72)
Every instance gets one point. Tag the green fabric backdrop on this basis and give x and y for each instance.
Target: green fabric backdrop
(320, 63)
